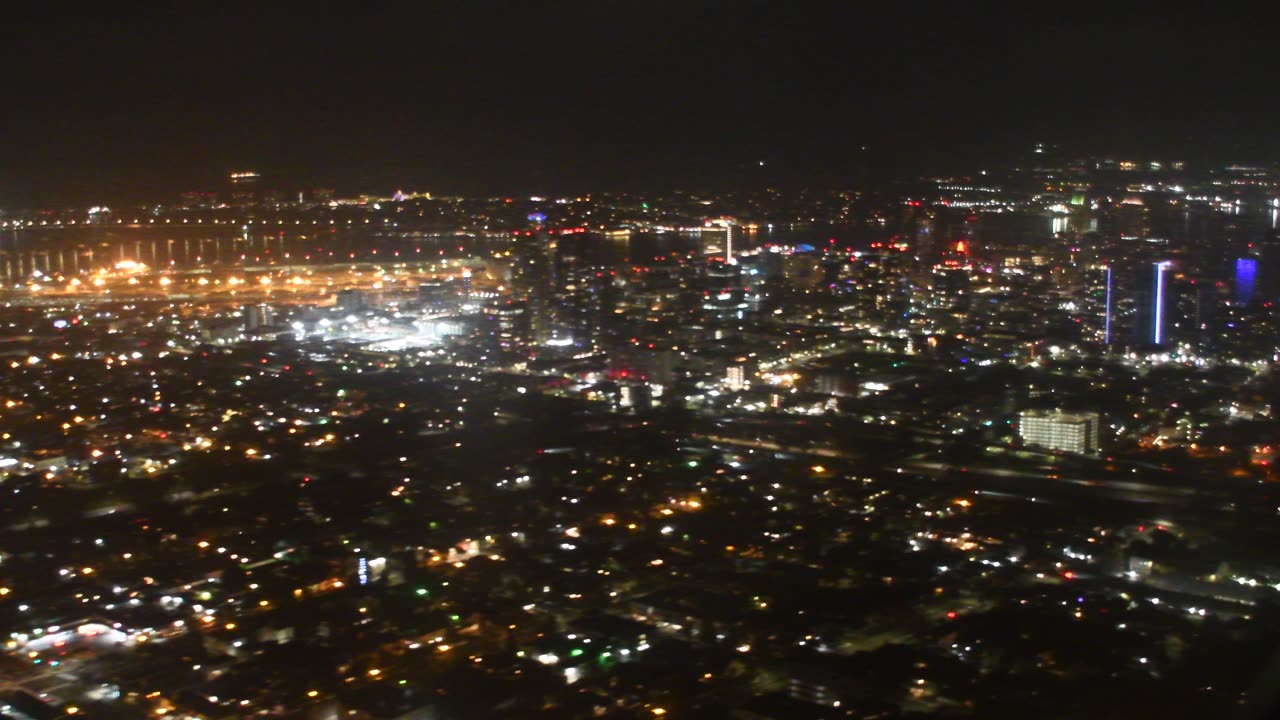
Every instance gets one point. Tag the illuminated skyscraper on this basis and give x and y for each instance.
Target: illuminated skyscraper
(724, 297)
(244, 185)
(735, 377)
(1159, 313)
(533, 282)
(1106, 318)
(257, 317)
(434, 296)
(1246, 272)
(351, 301)
(1056, 430)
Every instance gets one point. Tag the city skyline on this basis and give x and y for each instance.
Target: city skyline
(396, 456)
(639, 361)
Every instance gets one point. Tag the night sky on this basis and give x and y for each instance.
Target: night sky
(117, 105)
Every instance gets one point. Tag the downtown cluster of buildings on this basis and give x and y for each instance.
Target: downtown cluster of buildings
(984, 445)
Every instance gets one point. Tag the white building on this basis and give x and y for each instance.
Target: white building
(736, 377)
(257, 317)
(1057, 430)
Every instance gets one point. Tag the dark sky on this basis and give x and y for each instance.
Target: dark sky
(113, 104)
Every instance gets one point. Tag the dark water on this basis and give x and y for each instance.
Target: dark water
(73, 251)
(69, 251)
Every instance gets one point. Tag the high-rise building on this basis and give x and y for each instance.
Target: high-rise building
(467, 292)
(508, 322)
(1154, 306)
(244, 178)
(1057, 430)
(585, 301)
(351, 301)
(802, 270)
(244, 185)
(440, 296)
(735, 378)
(724, 297)
(257, 317)
(657, 366)
(949, 287)
(533, 282)
(1268, 253)
(1108, 304)
(1246, 273)
(1159, 306)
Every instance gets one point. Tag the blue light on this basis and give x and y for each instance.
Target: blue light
(1157, 329)
(1246, 273)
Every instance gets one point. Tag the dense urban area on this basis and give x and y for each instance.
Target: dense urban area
(994, 445)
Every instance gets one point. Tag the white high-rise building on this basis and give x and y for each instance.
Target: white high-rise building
(1057, 430)
(257, 317)
(736, 377)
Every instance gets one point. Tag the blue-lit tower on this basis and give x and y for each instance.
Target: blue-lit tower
(1246, 275)
(1159, 302)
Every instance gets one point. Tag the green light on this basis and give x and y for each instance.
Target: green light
(693, 463)
(575, 652)
(421, 591)
(455, 618)
(404, 682)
